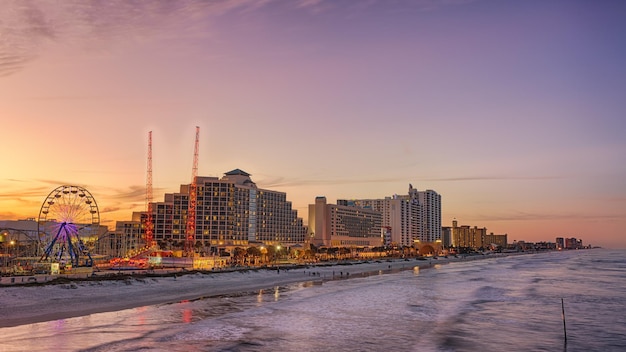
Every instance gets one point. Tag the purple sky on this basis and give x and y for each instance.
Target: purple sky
(514, 111)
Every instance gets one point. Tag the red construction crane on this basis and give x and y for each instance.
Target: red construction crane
(191, 209)
(149, 224)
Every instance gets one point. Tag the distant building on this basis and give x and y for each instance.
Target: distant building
(496, 241)
(573, 243)
(568, 243)
(468, 237)
(446, 236)
(344, 225)
(560, 243)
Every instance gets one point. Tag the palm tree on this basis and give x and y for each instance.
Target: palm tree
(253, 252)
(238, 254)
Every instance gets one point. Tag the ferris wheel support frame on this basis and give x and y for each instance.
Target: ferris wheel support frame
(72, 203)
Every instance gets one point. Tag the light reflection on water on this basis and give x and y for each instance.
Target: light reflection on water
(500, 304)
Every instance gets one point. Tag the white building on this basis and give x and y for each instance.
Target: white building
(411, 217)
(430, 220)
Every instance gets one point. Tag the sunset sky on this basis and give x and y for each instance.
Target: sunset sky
(513, 111)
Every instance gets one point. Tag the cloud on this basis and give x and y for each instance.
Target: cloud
(7, 215)
(529, 216)
(109, 210)
(134, 193)
(41, 192)
(494, 178)
(28, 27)
(282, 182)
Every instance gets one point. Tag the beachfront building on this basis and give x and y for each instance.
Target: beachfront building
(475, 238)
(230, 211)
(400, 217)
(127, 237)
(568, 243)
(496, 241)
(430, 215)
(411, 218)
(446, 236)
(466, 236)
(344, 225)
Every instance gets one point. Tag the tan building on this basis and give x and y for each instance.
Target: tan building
(499, 241)
(344, 225)
(230, 211)
(474, 237)
(468, 237)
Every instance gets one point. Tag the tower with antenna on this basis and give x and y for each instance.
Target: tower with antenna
(191, 209)
(149, 224)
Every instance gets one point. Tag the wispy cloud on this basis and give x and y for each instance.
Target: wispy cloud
(134, 193)
(10, 215)
(530, 216)
(494, 178)
(27, 192)
(282, 182)
(27, 27)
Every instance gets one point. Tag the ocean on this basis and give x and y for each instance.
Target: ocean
(500, 304)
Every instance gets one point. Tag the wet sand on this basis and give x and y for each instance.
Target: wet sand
(32, 304)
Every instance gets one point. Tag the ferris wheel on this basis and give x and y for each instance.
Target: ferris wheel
(68, 222)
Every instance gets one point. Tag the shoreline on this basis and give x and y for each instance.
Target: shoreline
(23, 305)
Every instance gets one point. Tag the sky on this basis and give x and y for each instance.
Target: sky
(513, 111)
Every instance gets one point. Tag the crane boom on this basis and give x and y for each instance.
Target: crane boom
(149, 225)
(193, 189)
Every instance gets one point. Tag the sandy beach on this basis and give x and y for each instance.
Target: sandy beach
(31, 304)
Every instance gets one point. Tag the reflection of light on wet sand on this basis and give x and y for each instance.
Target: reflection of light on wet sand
(259, 297)
(187, 313)
(141, 318)
(437, 266)
(416, 270)
(276, 293)
(58, 324)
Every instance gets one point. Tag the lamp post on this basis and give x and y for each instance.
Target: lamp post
(263, 254)
(6, 253)
(12, 243)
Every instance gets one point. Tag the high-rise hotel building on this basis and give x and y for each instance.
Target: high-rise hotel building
(230, 211)
(430, 216)
(344, 225)
(410, 217)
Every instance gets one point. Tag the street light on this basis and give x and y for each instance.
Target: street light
(263, 254)
(6, 248)
(12, 243)
(278, 247)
